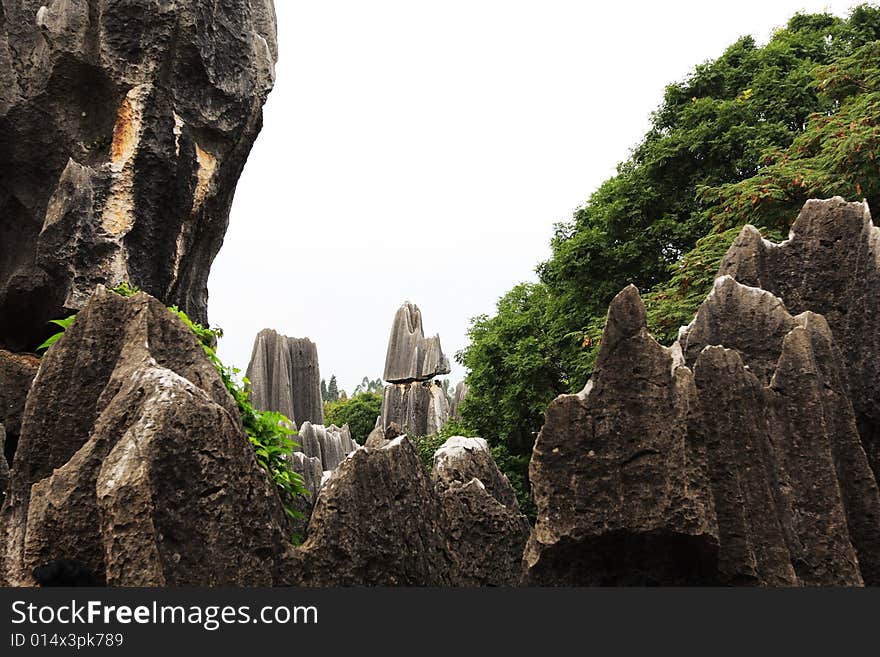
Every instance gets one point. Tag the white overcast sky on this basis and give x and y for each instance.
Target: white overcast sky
(422, 151)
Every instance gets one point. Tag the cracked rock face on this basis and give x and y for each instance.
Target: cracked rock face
(461, 391)
(17, 372)
(376, 522)
(380, 520)
(620, 484)
(124, 127)
(285, 377)
(736, 456)
(794, 494)
(486, 531)
(330, 445)
(829, 265)
(420, 408)
(133, 462)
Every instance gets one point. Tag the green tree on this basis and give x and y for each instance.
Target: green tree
(333, 390)
(359, 413)
(369, 385)
(745, 138)
(324, 392)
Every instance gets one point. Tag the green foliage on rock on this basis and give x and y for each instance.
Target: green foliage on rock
(359, 413)
(269, 432)
(515, 468)
(746, 138)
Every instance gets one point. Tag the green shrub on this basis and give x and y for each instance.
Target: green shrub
(269, 432)
(359, 413)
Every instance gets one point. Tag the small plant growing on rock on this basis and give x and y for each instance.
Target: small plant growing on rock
(269, 432)
(64, 324)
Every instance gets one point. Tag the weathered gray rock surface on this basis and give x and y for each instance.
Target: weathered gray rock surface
(17, 372)
(485, 530)
(4, 465)
(123, 130)
(621, 485)
(312, 473)
(734, 456)
(285, 377)
(411, 356)
(461, 391)
(829, 265)
(420, 408)
(412, 400)
(133, 462)
(376, 522)
(783, 398)
(330, 445)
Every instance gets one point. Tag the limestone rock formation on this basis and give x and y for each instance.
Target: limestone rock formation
(829, 265)
(413, 400)
(740, 443)
(485, 529)
(420, 408)
(411, 356)
(330, 445)
(320, 451)
(621, 485)
(461, 391)
(376, 522)
(123, 130)
(17, 372)
(133, 462)
(285, 377)
(312, 473)
(4, 465)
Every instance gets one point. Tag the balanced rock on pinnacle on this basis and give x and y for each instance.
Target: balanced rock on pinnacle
(413, 400)
(411, 356)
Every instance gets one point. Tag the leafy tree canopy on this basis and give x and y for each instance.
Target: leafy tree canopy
(746, 138)
(359, 413)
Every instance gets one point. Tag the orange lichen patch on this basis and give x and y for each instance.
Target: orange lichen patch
(118, 214)
(207, 166)
(27, 361)
(126, 133)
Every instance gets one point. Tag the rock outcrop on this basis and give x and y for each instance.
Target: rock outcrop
(123, 130)
(17, 372)
(461, 391)
(4, 465)
(376, 522)
(830, 265)
(620, 484)
(285, 377)
(411, 356)
(777, 389)
(330, 445)
(485, 529)
(133, 462)
(380, 520)
(421, 408)
(734, 456)
(320, 450)
(412, 399)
